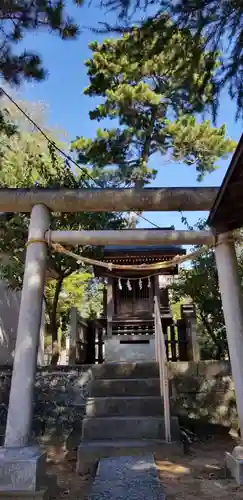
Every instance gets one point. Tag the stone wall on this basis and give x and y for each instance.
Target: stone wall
(202, 391)
(59, 404)
(9, 314)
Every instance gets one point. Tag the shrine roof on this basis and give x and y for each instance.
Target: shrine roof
(164, 249)
(130, 254)
(227, 211)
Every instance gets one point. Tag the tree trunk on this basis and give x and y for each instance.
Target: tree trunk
(54, 325)
(143, 161)
(147, 143)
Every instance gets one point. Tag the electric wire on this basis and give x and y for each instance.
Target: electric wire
(68, 157)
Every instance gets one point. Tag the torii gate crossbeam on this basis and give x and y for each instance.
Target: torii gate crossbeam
(108, 200)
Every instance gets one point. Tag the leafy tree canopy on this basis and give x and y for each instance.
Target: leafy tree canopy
(151, 99)
(200, 283)
(17, 18)
(217, 24)
(27, 160)
(81, 290)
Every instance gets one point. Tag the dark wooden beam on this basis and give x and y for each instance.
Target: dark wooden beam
(229, 199)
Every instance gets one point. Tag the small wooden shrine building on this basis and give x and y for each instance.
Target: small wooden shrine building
(129, 295)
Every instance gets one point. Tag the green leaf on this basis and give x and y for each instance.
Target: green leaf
(143, 85)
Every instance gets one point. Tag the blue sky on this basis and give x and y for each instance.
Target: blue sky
(68, 108)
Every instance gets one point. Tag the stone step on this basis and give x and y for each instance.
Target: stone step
(126, 370)
(138, 427)
(124, 406)
(125, 387)
(90, 453)
(119, 478)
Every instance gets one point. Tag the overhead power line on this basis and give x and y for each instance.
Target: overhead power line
(50, 141)
(69, 158)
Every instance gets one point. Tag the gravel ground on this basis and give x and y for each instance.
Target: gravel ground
(200, 475)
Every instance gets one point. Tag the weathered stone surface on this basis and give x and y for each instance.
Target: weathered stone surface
(212, 368)
(203, 390)
(126, 370)
(65, 387)
(238, 452)
(178, 368)
(121, 478)
(234, 464)
(122, 468)
(127, 428)
(132, 387)
(60, 396)
(124, 406)
(142, 490)
(22, 469)
(115, 351)
(90, 453)
(18, 495)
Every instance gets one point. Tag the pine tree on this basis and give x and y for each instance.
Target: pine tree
(219, 22)
(153, 103)
(19, 17)
(27, 160)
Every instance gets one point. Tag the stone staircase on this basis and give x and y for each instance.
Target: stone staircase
(124, 413)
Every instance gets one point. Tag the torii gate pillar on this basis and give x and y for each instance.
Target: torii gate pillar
(22, 466)
(232, 300)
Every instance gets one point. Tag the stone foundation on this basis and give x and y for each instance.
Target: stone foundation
(234, 464)
(128, 348)
(23, 474)
(202, 391)
(38, 495)
(59, 405)
(22, 469)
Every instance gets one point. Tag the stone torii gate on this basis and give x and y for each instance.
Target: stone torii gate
(22, 466)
